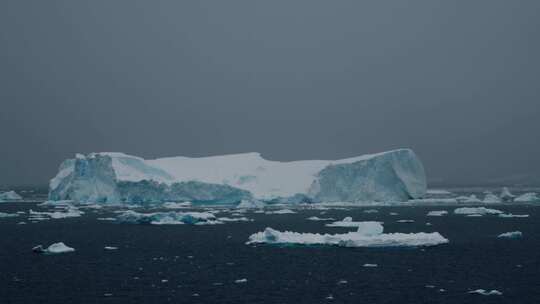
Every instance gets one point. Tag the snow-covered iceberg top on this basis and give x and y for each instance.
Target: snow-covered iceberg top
(396, 175)
(351, 239)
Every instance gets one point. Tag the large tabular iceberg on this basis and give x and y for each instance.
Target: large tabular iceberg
(117, 178)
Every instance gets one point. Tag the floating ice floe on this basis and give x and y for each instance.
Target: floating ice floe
(348, 223)
(438, 192)
(491, 198)
(168, 218)
(506, 196)
(431, 201)
(472, 199)
(66, 212)
(371, 211)
(10, 196)
(511, 235)
(250, 204)
(362, 238)
(405, 221)
(282, 211)
(476, 211)
(513, 215)
(529, 197)
(5, 215)
(370, 265)
(484, 292)
(234, 219)
(316, 218)
(240, 281)
(437, 213)
(53, 249)
(110, 248)
(173, 205)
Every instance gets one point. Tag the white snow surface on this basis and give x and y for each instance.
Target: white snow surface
(394, 174)
(351, 239)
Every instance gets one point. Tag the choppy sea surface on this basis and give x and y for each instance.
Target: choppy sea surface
(212, 263)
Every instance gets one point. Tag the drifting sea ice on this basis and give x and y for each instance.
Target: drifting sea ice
(484, 292)
(472, 199)
(173, 205)
(437, 213)
(250, 204)
(68, 212)
(168, 218)
(10, 196)
(362, 238)
(506, 195)
(347, 222)
(476, 211)
(527, 198)
(53, 249)
(491, 198)
(282, 211)
(513, 215)
(511, 235)
(316, 218)
(4, 215)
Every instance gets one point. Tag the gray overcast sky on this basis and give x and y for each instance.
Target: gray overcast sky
(457, 81)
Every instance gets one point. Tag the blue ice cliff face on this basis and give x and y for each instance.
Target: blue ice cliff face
(119, 178)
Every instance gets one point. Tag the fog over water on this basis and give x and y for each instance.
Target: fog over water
(456, 82)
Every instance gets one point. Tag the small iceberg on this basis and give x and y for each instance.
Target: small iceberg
(282, 211)
(240, 281)
(110, 248)
(55, 248)
(364, 237)
(491, 198)
(472, 199)
(506, 196)
(371, 211)
(405, 221)
(511, 235)
(437, 213)
(370, 265)
(68, 212)
(347, 222)
(5, 215)
(250, 204)
(529, 197)
(168, 218)
(484, 292)
(513, 215)
(476, 211)
(173, 205)
(316, 218)
(10, 196)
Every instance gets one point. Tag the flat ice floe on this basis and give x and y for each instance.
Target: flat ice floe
(316, 218)
(65, 212)
(362, 238)
(484, 292)
(476, 211)
(437, 213)
(513, 215)
(4, 215)
(168, 218)
(53, 249)
(347, 222)
(282, 211)
(511, 235)
(173, 205)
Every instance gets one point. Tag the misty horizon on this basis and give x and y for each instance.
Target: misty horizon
(455, 82)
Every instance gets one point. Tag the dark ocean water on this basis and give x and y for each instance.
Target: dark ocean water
(199, 264)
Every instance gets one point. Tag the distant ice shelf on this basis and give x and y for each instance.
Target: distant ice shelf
(396, 175)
